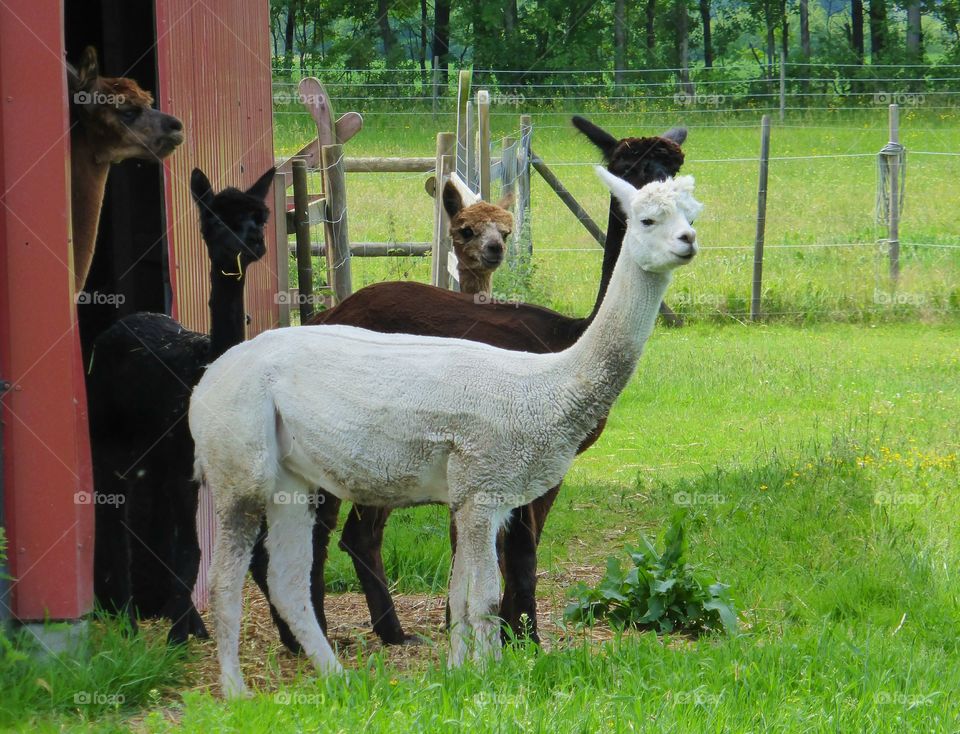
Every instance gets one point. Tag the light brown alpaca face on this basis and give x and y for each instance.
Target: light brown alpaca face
(479, 231)
(117, 116)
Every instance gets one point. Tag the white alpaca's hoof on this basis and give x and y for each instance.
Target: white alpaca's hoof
(330, 667)
(234, 689)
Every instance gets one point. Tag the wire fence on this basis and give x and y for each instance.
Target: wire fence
(740, 88)
(826, 254)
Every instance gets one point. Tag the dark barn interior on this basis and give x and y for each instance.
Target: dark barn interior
(131, 254)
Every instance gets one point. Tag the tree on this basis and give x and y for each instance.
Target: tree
(682, 47)
(914, 39)
(441, 36)
(619, 40)
(288, 36)
(386, 34)
(856, 28)
(805, 29)
(651, 29)
(878, 30)
(784, 31)
(707, 41)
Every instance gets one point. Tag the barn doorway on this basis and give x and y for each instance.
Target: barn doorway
(131, 254)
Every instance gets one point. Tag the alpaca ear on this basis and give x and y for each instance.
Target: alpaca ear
(596, 135)
(507, 201)
(73, 78)
(201, 189)
(88, 69)
(684, 184)
(262, 187)
(676, 135)
(452, 200)
(623, 191)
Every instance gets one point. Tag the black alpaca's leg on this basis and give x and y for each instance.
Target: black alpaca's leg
(325, 522)
(183, 496)
(453, 554)
(518, 562)
(111, 552)
(362, 538)
(328, 511)
(259, 562)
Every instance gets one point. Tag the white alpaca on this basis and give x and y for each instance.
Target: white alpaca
(394, 420)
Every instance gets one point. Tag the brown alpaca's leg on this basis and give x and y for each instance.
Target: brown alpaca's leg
(518, 563)
(362, 538)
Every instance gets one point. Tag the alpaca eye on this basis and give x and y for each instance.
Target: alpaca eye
(466, 232)
(647, 222)
(129, 115)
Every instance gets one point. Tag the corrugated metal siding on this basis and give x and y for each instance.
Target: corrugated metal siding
(214, 74)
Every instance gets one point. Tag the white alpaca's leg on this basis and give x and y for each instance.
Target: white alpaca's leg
(475, 587)
(290, 547)
(238, 525)
(459, 632)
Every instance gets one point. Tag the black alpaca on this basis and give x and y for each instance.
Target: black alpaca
(142, 372)
(414, 308)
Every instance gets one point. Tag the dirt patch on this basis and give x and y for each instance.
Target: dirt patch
(267, 664)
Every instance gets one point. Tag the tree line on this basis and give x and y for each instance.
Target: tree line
(611, 35)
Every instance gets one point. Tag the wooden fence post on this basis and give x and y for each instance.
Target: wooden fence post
(441, 223)
(483, 132)
(283, 248)
(335, 223)
(464, 81)
(761, 219)
(301, 220)
(893, 233)
(469, 171)
(508, 166)
(508, 185)
(567, 198)
(523, 183)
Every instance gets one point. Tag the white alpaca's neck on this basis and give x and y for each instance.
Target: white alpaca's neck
(601, 363)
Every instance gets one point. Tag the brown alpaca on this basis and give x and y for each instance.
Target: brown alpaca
(479, 232)
(415, 308)
(111, 120)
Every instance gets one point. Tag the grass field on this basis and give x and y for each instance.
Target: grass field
(812, 203)
(818, 468)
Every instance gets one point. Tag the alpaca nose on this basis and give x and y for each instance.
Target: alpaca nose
(493, 252)
(172, 124)
(690, 236)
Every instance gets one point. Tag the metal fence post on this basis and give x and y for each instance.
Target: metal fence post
(761, 219)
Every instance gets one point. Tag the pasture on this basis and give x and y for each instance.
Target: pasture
(815, 458)
(821, 205)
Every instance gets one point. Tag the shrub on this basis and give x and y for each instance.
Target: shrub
(660, 591)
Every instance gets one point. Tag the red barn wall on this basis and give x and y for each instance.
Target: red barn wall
(214, 74)
(46, 455)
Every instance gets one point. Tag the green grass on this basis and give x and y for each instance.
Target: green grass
(819, 470)
(109, 675)
(811, 202)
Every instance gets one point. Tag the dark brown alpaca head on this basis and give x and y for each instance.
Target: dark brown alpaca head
(637, 160)
(117, 116)
(479, 233)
